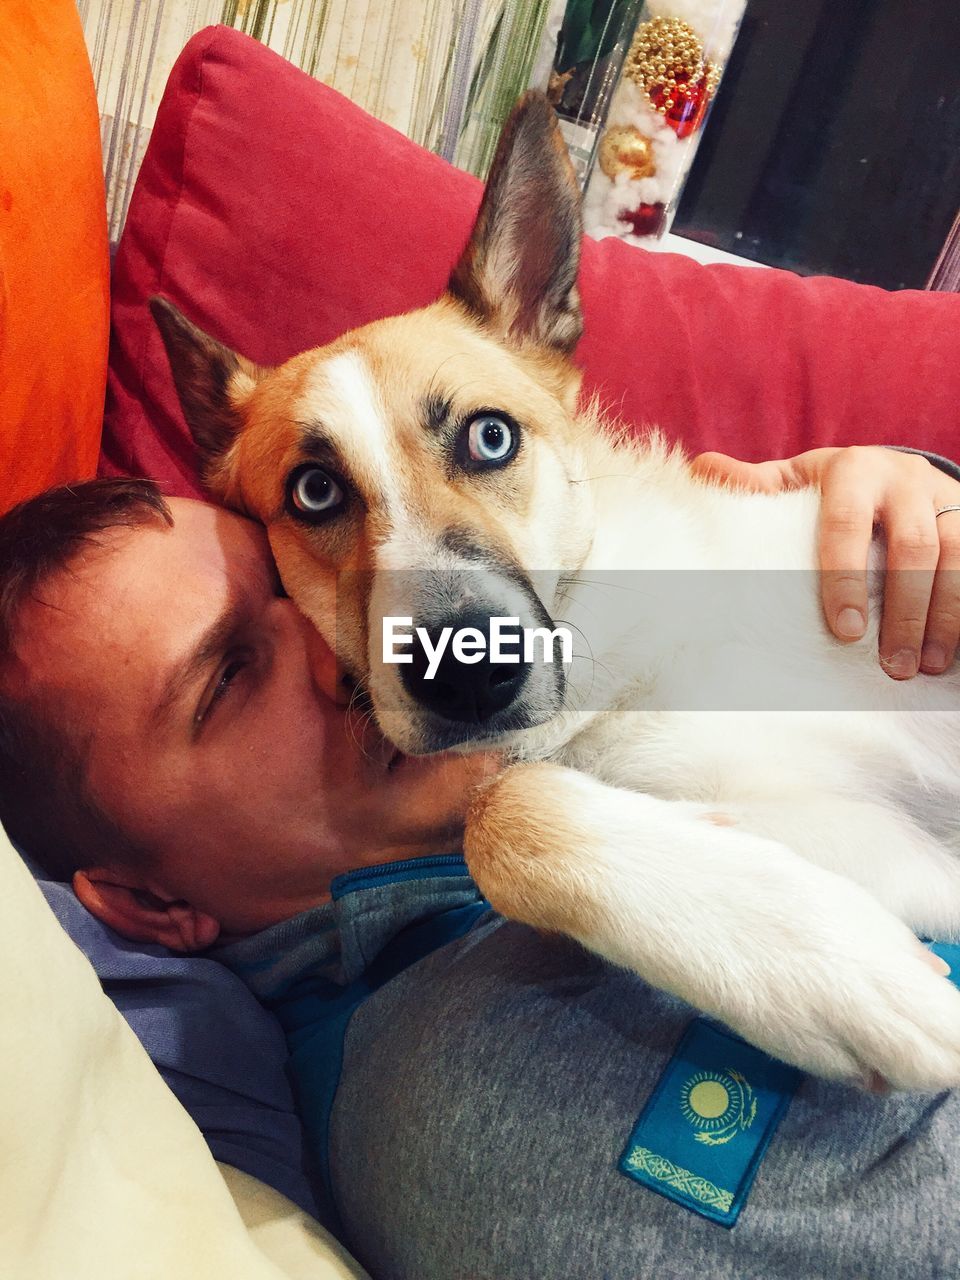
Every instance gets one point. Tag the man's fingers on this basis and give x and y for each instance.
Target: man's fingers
(845, 603)
(846, 530)
(937, 963)
(943, 617)
(920, 627)
(913, 550)
(758, 477)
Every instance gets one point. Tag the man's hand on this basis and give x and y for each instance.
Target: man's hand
(862, 487)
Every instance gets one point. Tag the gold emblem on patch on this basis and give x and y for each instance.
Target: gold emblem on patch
(719, 1105)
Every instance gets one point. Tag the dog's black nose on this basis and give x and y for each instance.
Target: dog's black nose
(466, 691)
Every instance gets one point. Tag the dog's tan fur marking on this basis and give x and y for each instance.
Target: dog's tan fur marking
(519, 854)
(406, 488)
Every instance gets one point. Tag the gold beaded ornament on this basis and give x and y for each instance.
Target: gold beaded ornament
(667, 56)
(624, 149)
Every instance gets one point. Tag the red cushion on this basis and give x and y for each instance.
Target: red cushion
(278, 215)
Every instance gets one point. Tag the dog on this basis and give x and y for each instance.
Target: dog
(772, 867)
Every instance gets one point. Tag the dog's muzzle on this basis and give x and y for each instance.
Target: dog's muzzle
(468, 693)
(464, 662)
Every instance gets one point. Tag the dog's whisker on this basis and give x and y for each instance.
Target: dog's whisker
(565, 587)
(358, 715)
(433, 380)
(586, 657)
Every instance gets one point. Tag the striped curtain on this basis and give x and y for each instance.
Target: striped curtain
(945, 276)
(444, 72)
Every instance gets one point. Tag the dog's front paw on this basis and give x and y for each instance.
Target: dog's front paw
(857, 997)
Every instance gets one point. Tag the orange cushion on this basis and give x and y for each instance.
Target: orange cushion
(54, 266)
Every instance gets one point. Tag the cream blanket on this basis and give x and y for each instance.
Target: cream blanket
(103, 1175)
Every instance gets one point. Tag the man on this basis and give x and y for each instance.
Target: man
(176, 740)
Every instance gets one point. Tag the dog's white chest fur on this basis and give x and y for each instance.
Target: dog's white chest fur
(704, 673)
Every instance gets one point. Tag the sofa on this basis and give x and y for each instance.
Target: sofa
(276, 215)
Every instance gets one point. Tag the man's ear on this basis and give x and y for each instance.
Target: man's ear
(213, 383)
(141, 914)
(518, 272)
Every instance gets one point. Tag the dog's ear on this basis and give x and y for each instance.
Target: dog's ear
(212, 381)
(518, 272)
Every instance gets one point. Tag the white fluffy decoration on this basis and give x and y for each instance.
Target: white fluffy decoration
(716, 23)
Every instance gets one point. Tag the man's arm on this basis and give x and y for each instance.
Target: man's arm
(937, 459)
(900, 491)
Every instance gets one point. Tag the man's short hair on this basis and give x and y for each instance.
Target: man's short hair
(46, 805)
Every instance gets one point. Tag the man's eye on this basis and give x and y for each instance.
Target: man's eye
(228, 676)
(233, 670)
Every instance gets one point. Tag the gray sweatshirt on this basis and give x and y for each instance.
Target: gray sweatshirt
(488, 1103)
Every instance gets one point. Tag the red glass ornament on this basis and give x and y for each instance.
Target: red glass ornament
(689, 105)
(645, 220)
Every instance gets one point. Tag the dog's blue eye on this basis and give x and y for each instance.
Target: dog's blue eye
(491, 439)
(313, 493)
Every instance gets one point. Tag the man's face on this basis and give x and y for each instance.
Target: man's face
(216, 731)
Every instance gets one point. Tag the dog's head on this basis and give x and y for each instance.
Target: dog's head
(422, 467)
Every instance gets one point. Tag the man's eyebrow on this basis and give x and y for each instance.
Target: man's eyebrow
(208, 649)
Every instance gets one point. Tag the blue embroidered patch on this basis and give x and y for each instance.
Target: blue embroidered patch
(707, 1125)
(702, 1134)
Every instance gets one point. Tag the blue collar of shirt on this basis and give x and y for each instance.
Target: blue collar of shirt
(338, 940)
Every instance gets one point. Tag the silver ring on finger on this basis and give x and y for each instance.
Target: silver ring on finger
(943, 510)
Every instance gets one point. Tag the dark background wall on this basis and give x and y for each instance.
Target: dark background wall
(834, 142)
